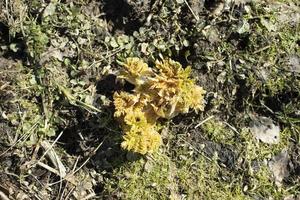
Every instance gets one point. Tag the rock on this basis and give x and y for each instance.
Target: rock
(294, 63)
(265, 130)
(278, 167)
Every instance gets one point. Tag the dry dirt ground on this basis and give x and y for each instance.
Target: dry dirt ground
(58, 67)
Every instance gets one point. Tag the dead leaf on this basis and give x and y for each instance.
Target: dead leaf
(49, 10)
(278, 166)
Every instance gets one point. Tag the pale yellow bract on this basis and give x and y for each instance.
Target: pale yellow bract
(161, 92)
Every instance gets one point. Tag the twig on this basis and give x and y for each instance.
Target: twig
(70, 192)
(197, 150)
(84, 163)
(69, 175)
(54, 171)
(3, 196)
(51, 146)
(209, 118)
(269, 109)
(233, 128)
(54, 158)
(261, 49)
(26, 135)
(193, 13)
(89, 196)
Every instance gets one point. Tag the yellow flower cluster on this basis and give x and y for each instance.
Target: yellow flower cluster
(160, 92)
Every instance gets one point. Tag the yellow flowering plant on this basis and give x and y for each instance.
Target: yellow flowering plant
(160, 92)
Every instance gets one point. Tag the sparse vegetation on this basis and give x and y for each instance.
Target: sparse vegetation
(62, 73)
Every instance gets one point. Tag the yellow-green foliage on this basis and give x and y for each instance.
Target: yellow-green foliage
(161, 92)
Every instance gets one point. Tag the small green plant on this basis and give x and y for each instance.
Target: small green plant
(36, 39)
(160, 92)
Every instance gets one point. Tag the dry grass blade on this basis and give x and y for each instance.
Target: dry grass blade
(74, 171)
(202, 122)
(54, 171)
(3, 196)
(51, 154)
(193, 13)
(24, 137)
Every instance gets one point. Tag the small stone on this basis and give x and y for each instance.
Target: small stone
(265, 130)
(278, 166)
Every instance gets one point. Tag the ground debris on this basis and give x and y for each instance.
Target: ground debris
(279, 167)
(265, 130)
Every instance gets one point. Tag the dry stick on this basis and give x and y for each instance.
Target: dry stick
(261, 49)
(54, 158)
(66, 185)
(70, 192)
(26, 135)
(75, 164)
(3, 196)
(57, 162)
(210, 117)
(207, 119)
(54, 171)
(196, 16)
(7, 12)
(37, 180)
(200, 152)
(63, 191)
(60, 167)
(232, 128)
(269, 109)
(50, 169)
(84, 163)
(51, 146)
(29, 189)
(4, 86)
(89, 196)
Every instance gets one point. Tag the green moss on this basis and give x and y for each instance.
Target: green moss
(254, 150)
(36, 39)
(218, 132)
(145, 179)
(202, 179)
